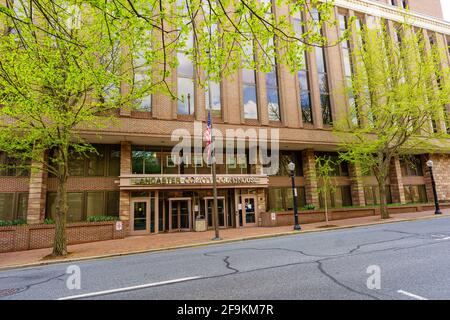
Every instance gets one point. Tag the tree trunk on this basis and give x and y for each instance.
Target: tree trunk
(60, 240)
(383, 201)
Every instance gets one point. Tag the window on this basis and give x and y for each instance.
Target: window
(404, 4)
(411, 166)
(145, 160)
(341, 196)
(141, 82)
(282, 198)
(372, 195)
(415, 194)
(12, 167)
(249, 90)
(348, 68)
(185, 72)
(213, 91)
(285, 158)
(85, 204)
(303, 80)
(340, 167)
(6, 206)
(323, 78)
(104, 162)
(394, 2)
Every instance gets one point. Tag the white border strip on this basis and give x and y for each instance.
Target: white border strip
(143, 286)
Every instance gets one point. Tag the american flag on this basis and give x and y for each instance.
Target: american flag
(208, 135)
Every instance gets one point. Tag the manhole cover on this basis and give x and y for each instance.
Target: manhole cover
(8, 292)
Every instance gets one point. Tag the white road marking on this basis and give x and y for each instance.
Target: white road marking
(142, 286)
(446, 238)
(411, 295)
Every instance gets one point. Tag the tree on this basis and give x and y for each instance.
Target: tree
(399, 90)
(326, 184)
(67, 65)
(60, 72)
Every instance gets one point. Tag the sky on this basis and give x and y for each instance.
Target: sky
(446, 9)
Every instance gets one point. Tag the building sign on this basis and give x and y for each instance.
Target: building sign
(181, 180)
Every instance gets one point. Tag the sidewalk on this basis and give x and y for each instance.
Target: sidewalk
(139, 244)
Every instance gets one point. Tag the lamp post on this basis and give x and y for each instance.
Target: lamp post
(433, 185)
(291, 167)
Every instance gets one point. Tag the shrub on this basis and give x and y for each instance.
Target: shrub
(17, 222)
(309, 206)
(101, 218)
(276, 210)
(49, 221)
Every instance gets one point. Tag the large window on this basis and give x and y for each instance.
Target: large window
(282, 198)
(323, 78)
(156, 160)
(411, 166)
(273, 104)
(415, 194)
(146, 160)
(104, 162)
(303, 80)
(85, 204)
(341, 196)
(249, 90)
(12, 167)
(141, 82)
(287, 156)
(213, 91)
(348, 68)
(186, 96)
(13, 206)
(340, 168)
(372, 195)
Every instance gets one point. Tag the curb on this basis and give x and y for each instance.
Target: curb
(217, 242)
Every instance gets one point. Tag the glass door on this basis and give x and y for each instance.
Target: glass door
(180, 214)
(141, 212)
(221, 210)
(249, 210)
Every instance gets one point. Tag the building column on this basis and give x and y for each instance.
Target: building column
(357, 186)
(441, 163)
(125, 168)
(396, 182)
(309, 172)
(37, 194)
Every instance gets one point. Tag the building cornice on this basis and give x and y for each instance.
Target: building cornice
(378, 9)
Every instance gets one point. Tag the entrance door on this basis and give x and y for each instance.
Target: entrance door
(141, 213)
(179, 214)
(249, 210)
(221, 210)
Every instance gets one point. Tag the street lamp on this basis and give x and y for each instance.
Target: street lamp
(291, 167)
(433, 185)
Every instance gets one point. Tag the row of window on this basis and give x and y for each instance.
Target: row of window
(85, 204)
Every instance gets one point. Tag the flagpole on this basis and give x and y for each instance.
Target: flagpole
(213, 156)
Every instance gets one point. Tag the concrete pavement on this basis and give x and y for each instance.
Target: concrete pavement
(412, 257)
(166, 241)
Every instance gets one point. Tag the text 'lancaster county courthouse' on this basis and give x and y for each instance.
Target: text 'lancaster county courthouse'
(133, 176)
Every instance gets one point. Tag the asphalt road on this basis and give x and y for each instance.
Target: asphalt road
(412, 260)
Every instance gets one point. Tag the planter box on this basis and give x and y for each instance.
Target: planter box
(26, 237)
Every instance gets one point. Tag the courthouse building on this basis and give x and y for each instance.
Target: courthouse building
(133, 176)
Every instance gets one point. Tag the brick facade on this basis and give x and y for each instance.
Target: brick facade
(155, 128)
